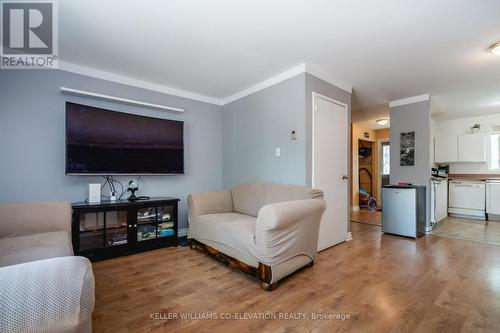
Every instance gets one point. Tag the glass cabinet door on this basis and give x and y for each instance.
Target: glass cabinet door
(116, 228)
(146, 224)
(91, 231)
(166, 221)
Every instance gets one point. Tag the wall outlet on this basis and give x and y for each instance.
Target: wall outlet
(278, 152)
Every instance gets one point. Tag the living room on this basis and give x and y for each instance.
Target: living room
(190, 166)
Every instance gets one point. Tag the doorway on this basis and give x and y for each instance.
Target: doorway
(384, 152)
(370, 155)
(366, 167)
(330, 167)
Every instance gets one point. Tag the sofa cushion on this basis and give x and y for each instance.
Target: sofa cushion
(210, 203)
(17, 250)
(250, 198)
(233, 230)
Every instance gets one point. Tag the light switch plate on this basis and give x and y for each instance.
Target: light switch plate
(278, 152)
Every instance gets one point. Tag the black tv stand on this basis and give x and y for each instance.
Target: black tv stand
(115, 228)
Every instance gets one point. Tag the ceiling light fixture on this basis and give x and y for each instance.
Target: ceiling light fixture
(495, 49)
(382, 122)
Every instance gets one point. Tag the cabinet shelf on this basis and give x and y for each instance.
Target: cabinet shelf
(102, 228)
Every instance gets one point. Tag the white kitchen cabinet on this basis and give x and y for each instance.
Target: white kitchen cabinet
(446, 149)
(472, 148)
(460, 148)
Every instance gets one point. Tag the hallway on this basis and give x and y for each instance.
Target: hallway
(367, 216)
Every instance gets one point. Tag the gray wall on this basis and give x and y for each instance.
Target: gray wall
(406, 118)
(32, 138)
(258, 123)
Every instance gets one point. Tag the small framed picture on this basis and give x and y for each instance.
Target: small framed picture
(407, 155)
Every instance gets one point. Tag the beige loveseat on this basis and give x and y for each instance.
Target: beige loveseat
(269, 230)
(43, 287)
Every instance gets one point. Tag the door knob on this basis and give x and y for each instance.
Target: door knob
(345, 177)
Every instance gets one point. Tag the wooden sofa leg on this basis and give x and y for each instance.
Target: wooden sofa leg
(268, 286)
(265, 276)
(263, 272)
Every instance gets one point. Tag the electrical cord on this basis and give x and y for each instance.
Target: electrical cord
(103, 185)
(110, 181)
(434, 182)
(122, 188)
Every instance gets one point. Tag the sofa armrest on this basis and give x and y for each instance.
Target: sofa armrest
(287, 229)
(52, 295)
(283, 215)
(19, 219)
(210, 203)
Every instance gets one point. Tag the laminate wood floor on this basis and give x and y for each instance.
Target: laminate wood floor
(477, 231)
(367, 216)
(384, 283)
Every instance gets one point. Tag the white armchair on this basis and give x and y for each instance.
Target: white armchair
(268, 230)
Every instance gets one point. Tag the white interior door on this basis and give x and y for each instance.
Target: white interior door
(330, 167)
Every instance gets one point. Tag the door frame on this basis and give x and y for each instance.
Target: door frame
(380, 167)
(348, 235)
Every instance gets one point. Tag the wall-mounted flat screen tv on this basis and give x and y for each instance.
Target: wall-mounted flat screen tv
(100, 141)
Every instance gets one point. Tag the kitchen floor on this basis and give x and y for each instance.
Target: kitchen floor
(471, 230)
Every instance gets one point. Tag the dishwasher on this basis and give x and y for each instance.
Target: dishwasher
(467, 199)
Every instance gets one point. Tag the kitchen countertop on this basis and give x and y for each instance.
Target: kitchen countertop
(482, 176)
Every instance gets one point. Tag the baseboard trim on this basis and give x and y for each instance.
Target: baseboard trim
(354, 208)
(182, 232)
(348, 236)
(429, 228)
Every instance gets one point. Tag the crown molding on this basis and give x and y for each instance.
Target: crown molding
(327, 78)
(266, 83)
(108, 76)
(409, 100)
(113, 77)
(302, 68)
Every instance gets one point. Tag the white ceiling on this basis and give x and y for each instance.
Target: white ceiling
(372, 124)
(385, 49)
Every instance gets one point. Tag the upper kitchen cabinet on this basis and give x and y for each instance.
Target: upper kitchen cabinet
(472, 148)
(446, 149)
(461, 148)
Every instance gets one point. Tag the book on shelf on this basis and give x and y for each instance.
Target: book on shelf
(165, 225)
(122, 239)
